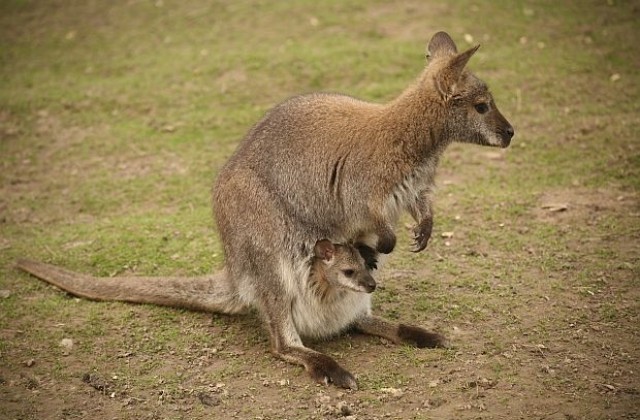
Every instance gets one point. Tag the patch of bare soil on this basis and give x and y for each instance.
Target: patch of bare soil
(584, 205)
(44, 174)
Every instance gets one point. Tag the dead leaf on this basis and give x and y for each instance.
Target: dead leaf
(607, 387)
(67, 343)
(555, 207)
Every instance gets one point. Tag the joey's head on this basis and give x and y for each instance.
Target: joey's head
(471, 114)
(343, 267)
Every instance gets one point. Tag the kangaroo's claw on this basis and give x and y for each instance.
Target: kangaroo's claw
(422, 234)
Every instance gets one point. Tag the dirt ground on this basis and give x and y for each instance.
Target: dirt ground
(533, 349)
(533, 272)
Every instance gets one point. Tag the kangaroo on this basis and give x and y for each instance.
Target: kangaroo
(332, 166)
(335, 167)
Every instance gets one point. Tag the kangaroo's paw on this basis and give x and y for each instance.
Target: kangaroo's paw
(386, 242)
(422, 234)
(325, 370)
(369, 255)
(419, 337)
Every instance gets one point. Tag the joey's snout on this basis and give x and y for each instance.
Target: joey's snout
(368, 283)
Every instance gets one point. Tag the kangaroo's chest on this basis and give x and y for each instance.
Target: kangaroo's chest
(407, 191)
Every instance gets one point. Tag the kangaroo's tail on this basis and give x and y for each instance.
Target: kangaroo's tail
(212, 293)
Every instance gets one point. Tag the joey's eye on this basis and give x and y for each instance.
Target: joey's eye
(348, 273)
(481, 107)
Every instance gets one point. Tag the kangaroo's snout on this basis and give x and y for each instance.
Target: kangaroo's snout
(507, 135)
(510, 132)
(368, 283)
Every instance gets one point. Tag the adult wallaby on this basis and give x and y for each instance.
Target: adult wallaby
(331, 166)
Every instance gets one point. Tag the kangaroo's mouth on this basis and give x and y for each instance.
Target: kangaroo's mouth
(368, 285)
(361, 286)
(370, 288)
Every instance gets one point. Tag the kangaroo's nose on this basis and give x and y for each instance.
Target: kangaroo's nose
(510, 131)
(369, 284)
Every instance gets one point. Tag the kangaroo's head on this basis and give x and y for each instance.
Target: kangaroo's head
(343, 267)
(472, 115)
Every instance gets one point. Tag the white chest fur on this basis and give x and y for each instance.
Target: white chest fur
(317, 317)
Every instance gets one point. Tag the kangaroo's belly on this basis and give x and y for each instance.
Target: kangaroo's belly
(317, 317)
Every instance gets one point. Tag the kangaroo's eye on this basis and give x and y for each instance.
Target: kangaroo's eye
(348, 273)
(481, 107)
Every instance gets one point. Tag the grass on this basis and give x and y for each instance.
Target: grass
(115, 119)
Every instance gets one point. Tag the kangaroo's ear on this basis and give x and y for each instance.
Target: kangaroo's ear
(441, 45)
(448, 76)
(324, 249)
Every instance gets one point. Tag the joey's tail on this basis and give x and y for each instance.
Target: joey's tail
(213, 293)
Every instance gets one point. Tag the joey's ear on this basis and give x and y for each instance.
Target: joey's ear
(448, 76)
(324, 249)
(441, 45)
